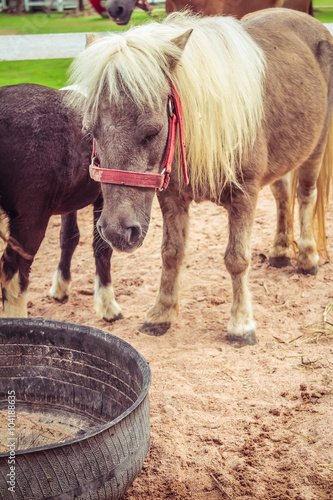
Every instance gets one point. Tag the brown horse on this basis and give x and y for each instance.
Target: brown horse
(262, 110)
(120, 11)
(236, 8)
(43, 171)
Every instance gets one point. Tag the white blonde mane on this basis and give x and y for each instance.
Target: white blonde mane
(219, 78)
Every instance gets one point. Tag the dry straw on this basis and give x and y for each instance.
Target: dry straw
(313, 332)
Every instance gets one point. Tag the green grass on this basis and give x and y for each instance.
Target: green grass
(323, 10)
(321, 3)
(39, 23)
(49, 72)
(325, 16)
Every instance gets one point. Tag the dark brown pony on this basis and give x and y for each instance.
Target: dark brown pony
(120, 11)
(43, 171)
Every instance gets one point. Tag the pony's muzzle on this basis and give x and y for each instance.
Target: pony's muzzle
(118, 11)
(126, 237)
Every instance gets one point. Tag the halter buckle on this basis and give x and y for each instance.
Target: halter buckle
(170, 107)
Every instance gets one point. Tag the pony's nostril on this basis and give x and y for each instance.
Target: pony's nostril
(119, 11)
(124, 237)
(133, 233)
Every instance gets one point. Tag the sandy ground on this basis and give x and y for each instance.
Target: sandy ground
(249, 423)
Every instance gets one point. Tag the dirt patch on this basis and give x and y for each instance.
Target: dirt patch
(256, 421)
(5, 31)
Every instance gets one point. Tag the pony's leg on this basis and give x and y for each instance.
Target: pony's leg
(106, 306)
(241, 327)
(14, 279)
(15, 266)
(175, 213)
(307, 196)
(69, 239)
(279, 255)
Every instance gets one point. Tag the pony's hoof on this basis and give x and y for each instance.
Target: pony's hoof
(61, 300)
(279, 262)
(115, 318)
(155, 329)
(313, 270)
(241, 340)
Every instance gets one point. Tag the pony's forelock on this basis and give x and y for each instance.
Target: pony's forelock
(219, 78)
(131, 63)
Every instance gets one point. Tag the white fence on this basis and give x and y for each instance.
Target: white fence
(58, 5)
(53, 46)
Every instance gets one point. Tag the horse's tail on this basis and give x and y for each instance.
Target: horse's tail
(6, 239)
(311, 9)
(3, 229)
(323, 191)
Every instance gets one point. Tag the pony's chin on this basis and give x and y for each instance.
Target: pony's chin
(127, 249)
(124, 247)
(118, 21)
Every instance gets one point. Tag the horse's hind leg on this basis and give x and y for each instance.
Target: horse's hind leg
(279, 255)
(175, 225)
(106, 306)
(69, 239)
(15, 264)
(314, 178)
(14, 279)
(307, 196)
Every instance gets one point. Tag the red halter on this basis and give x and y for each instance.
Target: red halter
(140, 179)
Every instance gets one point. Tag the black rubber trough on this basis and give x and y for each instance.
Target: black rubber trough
(74, 412)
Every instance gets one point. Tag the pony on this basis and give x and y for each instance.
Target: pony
(120, 11)
(253, 101)
(43, 171)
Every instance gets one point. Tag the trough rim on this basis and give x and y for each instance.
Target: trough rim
(106, 336)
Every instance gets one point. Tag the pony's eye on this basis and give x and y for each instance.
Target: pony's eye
(149, 137)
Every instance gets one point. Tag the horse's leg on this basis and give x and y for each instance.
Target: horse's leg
(106, 306)
(279, 255)
(15, 268)
(14, 279)
(307, 196)
(69, 239)
(241, 327)
(175, 228)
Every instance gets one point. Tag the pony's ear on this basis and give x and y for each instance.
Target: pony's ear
(181, 42)
(91, 37)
